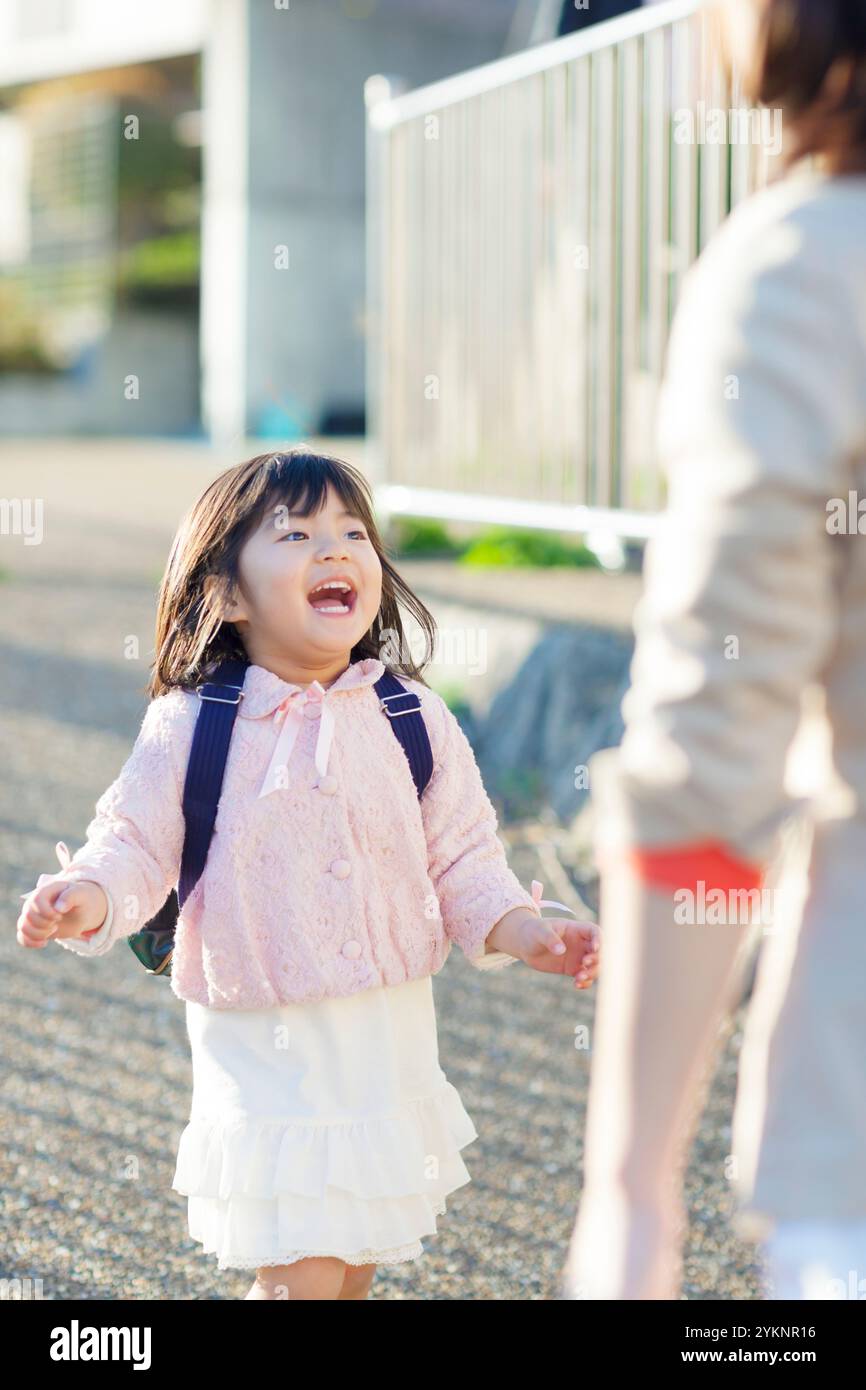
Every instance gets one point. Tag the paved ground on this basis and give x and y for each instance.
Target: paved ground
(96, 1080)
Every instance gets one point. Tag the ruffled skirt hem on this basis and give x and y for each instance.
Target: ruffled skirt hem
(374, 1156)
(204, 1220)
(364, 1190)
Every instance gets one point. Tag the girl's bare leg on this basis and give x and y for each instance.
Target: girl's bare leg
(319, 1277)
(357, 1281)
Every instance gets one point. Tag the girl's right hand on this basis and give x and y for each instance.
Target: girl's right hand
(60, 908)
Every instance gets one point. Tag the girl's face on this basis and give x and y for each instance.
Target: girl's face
(281, 562)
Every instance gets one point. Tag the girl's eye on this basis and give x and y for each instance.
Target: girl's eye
(303, 533)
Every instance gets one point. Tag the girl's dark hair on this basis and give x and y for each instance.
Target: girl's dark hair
(190, 634)
(810, 60)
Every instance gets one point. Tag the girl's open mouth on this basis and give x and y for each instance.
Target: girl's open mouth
(333, 600)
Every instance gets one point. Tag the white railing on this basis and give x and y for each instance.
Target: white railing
(529, 226)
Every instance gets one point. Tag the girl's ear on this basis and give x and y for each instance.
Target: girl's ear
(219, 599)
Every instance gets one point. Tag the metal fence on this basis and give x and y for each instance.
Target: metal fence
(529, 226)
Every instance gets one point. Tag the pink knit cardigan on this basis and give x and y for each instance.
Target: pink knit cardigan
(325, 875)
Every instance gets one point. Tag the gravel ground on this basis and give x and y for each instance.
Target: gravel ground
(96, 1081)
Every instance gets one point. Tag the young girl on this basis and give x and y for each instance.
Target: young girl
(323, 1135)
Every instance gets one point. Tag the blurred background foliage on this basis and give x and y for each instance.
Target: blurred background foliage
(492, 546)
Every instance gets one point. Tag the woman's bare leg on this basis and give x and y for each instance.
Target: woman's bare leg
(319, 1277)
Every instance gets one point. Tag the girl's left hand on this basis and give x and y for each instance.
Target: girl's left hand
(582, 942)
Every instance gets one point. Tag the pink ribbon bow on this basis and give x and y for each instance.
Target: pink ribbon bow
(289, 717)
(538, 889)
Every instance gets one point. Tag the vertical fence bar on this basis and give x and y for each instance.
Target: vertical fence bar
(603, 279)
(631, 259)
(583, 212)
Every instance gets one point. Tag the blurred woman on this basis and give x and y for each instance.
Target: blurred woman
(755, 591)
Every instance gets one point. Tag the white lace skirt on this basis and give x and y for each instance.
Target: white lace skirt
(324, 1128)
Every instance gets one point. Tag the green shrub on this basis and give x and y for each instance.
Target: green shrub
(493, 547)
(418, 535)
(161, 263)
(506, 546)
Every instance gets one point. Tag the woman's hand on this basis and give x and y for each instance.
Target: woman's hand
(60, 908)
(538, 939)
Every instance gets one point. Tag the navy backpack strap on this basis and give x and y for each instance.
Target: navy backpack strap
(403, 708)
(220, 698)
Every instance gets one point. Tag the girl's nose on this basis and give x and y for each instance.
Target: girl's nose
(333, 552)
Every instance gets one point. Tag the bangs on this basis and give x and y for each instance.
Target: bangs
(299, 482)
